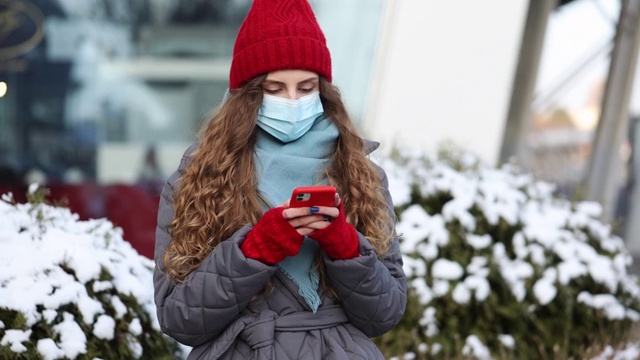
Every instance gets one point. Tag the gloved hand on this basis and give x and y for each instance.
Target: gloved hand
(339, 240)
(272, 238)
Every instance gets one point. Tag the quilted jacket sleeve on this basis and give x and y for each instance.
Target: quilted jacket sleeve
(372, 289)
(209, 299)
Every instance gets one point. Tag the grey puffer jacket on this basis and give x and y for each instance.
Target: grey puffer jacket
(216, 313)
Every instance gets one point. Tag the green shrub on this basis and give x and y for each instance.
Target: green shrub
(499, 267)
(73, 289)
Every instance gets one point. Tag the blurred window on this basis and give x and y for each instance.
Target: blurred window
(92, 87)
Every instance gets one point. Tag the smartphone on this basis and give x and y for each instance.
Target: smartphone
(308, 196)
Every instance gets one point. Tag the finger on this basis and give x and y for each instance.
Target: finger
(292, 213)
(337, 200)
(318, 225)
(305, 231)
(332, 212)
(303, 221)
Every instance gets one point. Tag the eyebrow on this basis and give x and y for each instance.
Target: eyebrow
(275, 82)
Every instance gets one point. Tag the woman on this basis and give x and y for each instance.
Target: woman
(241, 275)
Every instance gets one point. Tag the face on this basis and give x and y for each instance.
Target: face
(291, 84)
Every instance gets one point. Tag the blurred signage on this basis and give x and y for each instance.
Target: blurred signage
(21, 27)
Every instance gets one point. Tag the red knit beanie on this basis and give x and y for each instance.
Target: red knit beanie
(278, 35)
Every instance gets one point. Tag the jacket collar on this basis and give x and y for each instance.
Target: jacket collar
(370, 146)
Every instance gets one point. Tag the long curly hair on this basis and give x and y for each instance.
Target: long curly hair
(218, 193)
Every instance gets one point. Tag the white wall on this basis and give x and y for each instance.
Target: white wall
(444, 73)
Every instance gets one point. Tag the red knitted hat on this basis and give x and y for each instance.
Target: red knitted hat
(278, 35)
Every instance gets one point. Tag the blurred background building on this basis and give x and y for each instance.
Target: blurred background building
(99, 98)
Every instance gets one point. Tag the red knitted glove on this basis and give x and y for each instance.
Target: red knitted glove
(339, 240)
(272, 238)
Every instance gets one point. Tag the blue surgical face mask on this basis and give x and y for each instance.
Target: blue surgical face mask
(286, 119)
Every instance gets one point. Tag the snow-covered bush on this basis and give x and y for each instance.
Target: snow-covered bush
(499, 267)
(73, 289)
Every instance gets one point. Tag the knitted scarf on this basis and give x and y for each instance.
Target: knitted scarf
(281, 167)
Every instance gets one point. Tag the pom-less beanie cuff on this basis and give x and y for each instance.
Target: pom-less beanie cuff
(280, 54)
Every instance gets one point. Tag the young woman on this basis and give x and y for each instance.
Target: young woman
(240, 274)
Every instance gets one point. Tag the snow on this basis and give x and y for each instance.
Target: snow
(417, 224)
(545, 291)
(507, 340)
(118, 306)
(631, 352)
(89, 308)
(478, 266)
(479, 285)
(72, 340)
(569, 270)
(135, 327)
(461, 294)
(424, 292)
(47, 259)
(557, 243)
(605, 302)
(435, 348)
(399, 180)
(135, 347)
(601, 270)
(428, 320)
(475, 348)
(104, 327)
(537, 254)
(515, 272)
(457, 209)
(15, 338)
(479, 241)
(446, 269)
(49, 350)
(414, 267)
(441, 288)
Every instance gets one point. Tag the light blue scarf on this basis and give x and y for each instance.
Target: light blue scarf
(281, 167)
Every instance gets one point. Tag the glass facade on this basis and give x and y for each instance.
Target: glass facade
(99, 98)
(109, 78)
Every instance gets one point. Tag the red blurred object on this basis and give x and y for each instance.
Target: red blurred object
(136, 211)
(130, 207)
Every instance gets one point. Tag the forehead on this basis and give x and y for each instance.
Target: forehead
(291, 76)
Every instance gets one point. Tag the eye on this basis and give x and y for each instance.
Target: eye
(271, 91)
(308, 86)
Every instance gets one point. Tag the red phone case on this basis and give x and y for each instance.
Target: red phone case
(308, 196)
